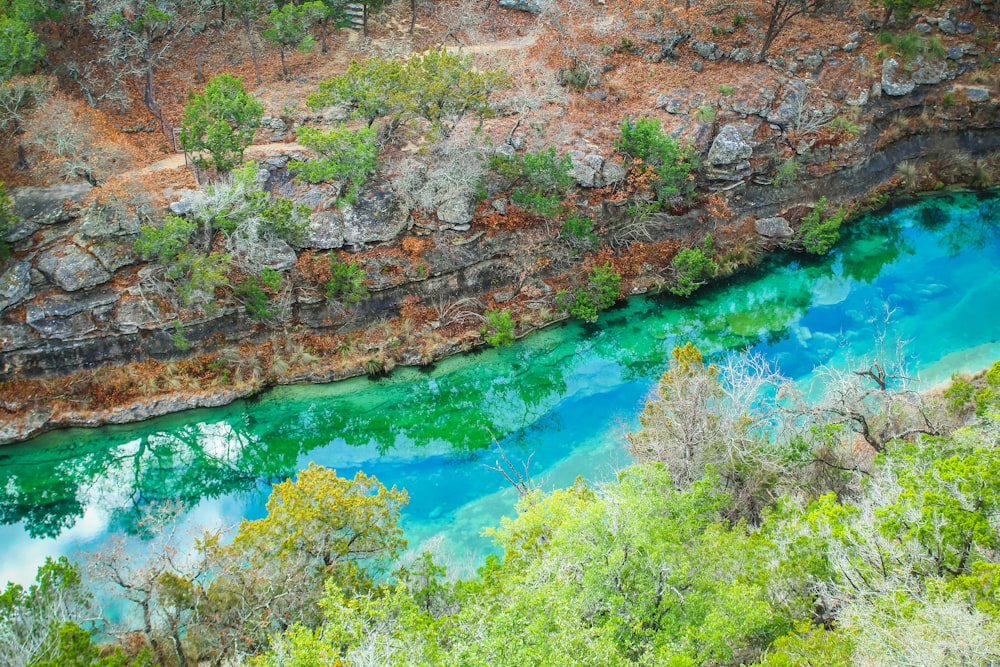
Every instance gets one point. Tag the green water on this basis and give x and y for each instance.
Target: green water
(566, 396)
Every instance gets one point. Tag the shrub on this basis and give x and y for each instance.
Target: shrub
(346, 284)
(787, 172)
(600, 293)
(819, 234)
(7, 221)
(499, 328)
(164, 244)
(693, 267)
(671, 162)
(578, 231)
(346, 155)
(543, 179)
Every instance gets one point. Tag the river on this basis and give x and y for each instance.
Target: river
(564, 396)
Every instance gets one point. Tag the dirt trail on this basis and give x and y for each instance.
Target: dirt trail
(257, 150)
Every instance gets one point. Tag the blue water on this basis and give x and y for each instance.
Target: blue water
(565, 397)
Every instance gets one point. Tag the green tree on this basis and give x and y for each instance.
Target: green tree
(499, 328)
(693, 267)
(318, 528)
(346, 284)
(248, 12)
(31, 619)
(648, 147)
(817, 233)
(600, 293)
(439, 87)
(220, 121)
(7, 221)
(346, 155)
(20, 48)
(289, 28)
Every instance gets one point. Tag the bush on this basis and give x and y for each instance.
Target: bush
(164, 244)
(787, 172)
(347, 282)
(346, 155)
(693, 267)
(672, 163)
(499, 328)
(600, 293)
(254, 292)
(7, 221)
(818, 234)
(543, 179)
(578, 231)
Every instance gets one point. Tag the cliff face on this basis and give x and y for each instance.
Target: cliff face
(74, 299)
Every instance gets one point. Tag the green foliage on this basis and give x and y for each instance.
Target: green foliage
(346, 155)
(818, 234)
(254, 292)
(178, 338)
(8, 219)
(439, 87)
(909, 45)
(600, 293)
(810, 645)
(288, 27)
(578, 231)
(671, 162)
(74, 647)
(220, 121)
(787, 172)
(725, 89)
(542, 179)
(693, 267)
(20, 48)
(844, 124)
(499, 328)
(327, 526)
(346, 285)
(166, 243)
(704, 114)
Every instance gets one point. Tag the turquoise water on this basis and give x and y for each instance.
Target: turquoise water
(565, 396)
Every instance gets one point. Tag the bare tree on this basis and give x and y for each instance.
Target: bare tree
(783, 11)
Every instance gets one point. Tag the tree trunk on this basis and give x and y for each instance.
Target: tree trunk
(413, 15)
(323, 48)
(253, 49)
(284, 70)
(364, 20)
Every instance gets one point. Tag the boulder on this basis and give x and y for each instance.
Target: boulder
(792, 97)
(378, 215)
(890, 86)
(530, 6)
(977, 94)
(729, 147)
(457, 210)
(46, 206)
(593, 171)
(71, 267)
(707, 50)
(774, 228)
(930, 74)
(326, 230)
(15, 284)
(947, 26)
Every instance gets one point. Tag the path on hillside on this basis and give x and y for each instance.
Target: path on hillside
(176, 161)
